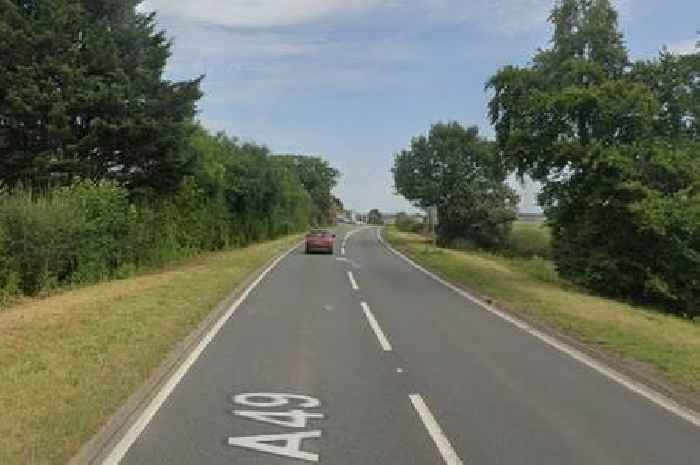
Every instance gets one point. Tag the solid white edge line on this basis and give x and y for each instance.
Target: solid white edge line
(383, 341)
(353, 283)
(443, 444)
(648, 393)
(123, 446)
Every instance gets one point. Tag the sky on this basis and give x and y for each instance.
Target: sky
(353, 81)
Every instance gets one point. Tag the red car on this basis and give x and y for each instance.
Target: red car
(320, 240)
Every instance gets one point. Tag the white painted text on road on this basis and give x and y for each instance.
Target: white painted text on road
(284, 444)
(291, 448)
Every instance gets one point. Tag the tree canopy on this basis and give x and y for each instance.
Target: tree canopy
(83, 95)
(460, 173)
(103, 168)
(615, 145)
(319, 179)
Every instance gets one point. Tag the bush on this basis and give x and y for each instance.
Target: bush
(34, 232)
(93, 245)
(75, 234)
(462, 244)
(408, 223)
(636, 233)
(529, 240)
(484, 218)
(541, 269)
(91, 231)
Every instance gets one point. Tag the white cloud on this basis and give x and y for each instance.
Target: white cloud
(259, 13)
(195, 41)
(501, 16)
(266, 84)
(246, 64)
(509, 16)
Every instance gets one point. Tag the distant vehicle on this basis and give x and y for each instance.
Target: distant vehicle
(319, 240)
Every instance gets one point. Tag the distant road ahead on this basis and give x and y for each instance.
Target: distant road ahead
(364, 360)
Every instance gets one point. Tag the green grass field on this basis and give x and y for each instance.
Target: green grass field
(667, 345)
(69, 361)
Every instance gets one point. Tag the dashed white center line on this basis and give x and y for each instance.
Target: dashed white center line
(348, 235)
(383, 341)
(449, 455)
(353, 283)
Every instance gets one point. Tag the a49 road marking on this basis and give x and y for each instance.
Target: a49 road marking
(285, 444)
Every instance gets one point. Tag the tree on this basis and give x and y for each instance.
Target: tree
(83, 96)
(260, 192)
(462, 175)
(375, 217)
(319, 179)
(612, 143)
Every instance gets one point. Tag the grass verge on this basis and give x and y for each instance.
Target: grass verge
(666, 345)
(69, 361)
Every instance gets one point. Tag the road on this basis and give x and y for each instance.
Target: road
(364, 360)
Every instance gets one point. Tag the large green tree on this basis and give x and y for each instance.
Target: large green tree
(262, 195)
(615, 145)
(460, 173)
(318, 178)
(83, 95)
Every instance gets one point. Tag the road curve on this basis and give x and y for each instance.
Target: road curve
(362, 359)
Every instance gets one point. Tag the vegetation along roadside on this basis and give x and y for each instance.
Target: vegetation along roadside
(106, 174)
(666, 345)
(69, 361)
(612, 143)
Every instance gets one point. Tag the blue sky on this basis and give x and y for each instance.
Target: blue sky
(354, 80)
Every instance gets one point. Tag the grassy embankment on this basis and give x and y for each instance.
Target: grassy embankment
(667, 345)
(69, 361)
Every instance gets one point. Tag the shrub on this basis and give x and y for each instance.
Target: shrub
(542, 270)
(94, 245)
(408, 223)
(637, 233)
(90, 231)
(72, 235)
(95, 230)
(529, 240)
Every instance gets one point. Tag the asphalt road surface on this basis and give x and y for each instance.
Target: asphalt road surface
(362, 359)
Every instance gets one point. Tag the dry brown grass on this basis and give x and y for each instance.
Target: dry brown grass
(67, 362)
